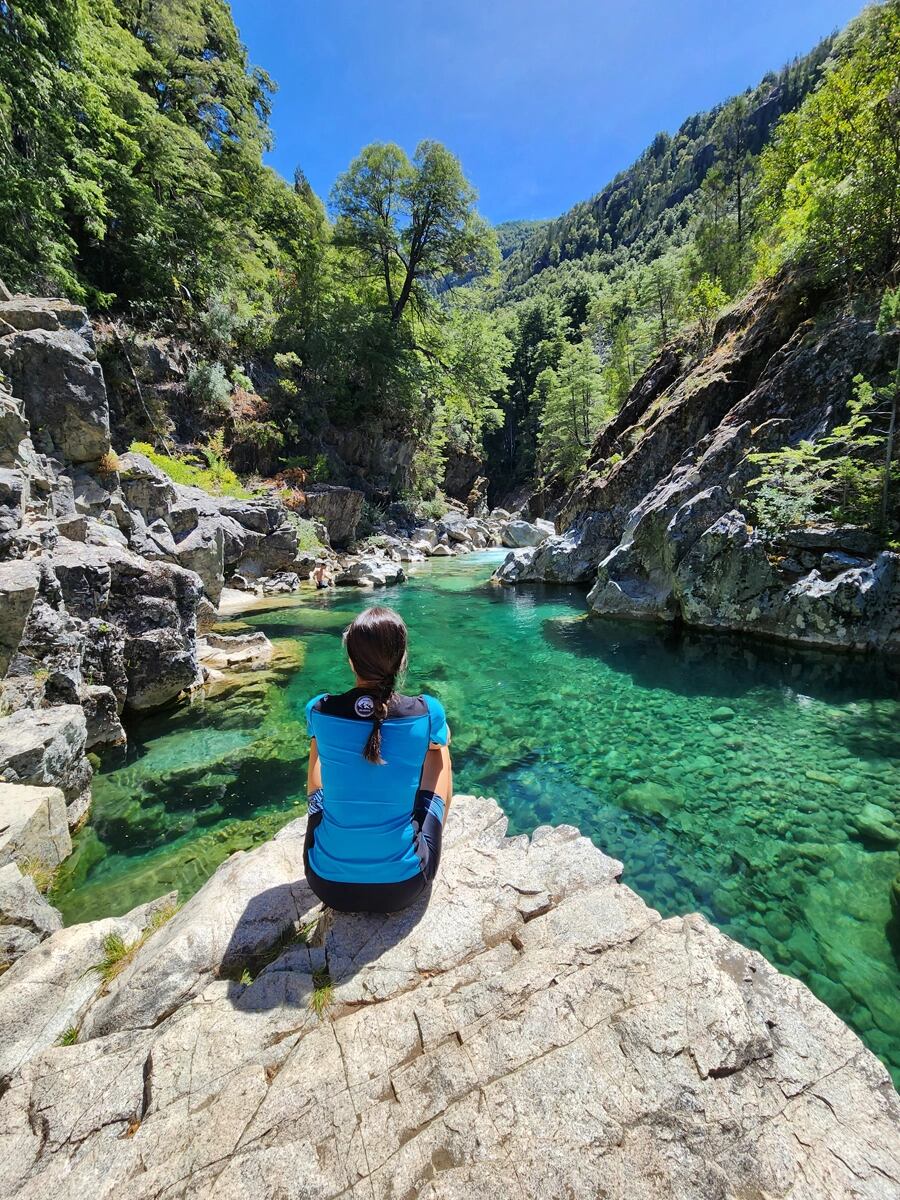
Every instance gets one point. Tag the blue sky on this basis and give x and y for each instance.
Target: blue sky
(542, 100)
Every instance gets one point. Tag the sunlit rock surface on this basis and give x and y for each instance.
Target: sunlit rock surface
(535, 1031)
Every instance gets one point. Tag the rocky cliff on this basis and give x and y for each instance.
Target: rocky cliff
(659, 525)
(535, 1031)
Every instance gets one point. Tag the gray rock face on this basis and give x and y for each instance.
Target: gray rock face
(518, 534)
(61, 384)
(659, 524)
(45, 748)
(25, 916)
(33, 824)
(338, 508)
(19, 582)
(535, 1031)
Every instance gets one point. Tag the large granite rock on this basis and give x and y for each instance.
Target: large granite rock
(19, 582)
(535, 1030)
(25, 916)
(61, 384)
(152, 606)
(338, 508)
(45, 748)
(518, 534)
(33, 825)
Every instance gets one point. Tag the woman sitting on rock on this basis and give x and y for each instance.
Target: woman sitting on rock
(379, 781)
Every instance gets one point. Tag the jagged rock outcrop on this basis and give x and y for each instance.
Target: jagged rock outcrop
(659, 524)
(535, 1031)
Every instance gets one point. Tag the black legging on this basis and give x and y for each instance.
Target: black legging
(380, 897)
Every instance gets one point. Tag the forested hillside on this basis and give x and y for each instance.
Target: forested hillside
(385, 336)
(131, 177)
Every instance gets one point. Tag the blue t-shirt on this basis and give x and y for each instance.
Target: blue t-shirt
(366, 833)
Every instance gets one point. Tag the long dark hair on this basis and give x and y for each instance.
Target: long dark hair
(376, 646)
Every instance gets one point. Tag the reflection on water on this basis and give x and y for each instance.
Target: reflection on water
(728, 775)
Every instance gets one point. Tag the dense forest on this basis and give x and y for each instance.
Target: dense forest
(132, 135)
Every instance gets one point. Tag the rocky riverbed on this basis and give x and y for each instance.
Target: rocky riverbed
(535, 1031)
(112, 574)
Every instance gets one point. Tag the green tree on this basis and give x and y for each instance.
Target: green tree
(831, 179)
(412, 222)
(572, 403)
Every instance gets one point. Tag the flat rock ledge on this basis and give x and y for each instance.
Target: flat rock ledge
(535, 1031)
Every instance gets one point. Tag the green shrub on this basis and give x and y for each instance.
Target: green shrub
(209, 388)
(216, 477)
(433, 510)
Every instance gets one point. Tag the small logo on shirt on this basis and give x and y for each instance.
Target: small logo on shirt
(364, 706)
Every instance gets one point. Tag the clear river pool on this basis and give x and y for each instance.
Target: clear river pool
(729, 776)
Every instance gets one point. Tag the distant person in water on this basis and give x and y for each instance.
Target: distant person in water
(379, 782)
(321, 576)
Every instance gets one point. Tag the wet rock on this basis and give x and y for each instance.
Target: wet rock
(33, 824)
(875, 823)
(234, 652)
(62, 387)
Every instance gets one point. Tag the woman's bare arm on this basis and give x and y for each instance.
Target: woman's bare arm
(437, 774)
(314, 770)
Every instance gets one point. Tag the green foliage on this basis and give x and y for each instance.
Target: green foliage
(68, 1037)
(831, 179)
(323, 992)
(847, 474)
(210, 391)
(216, 476)
(705, 301)
(432, 510)
(307, 538)
(572, 403)
(117, 953)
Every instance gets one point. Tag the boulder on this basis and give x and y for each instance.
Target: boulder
(338, 508)
(33, 825)
(101, 711)
(203, 551)
(234, 652)
(532, 1029)
(441, 550)
(370, 572)
(19, 582)
(46, 748)
(25, 916)
(146, 487)
(517, 534)
(280, 584)
(63, 391)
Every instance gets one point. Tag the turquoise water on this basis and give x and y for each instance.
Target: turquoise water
(726, 775)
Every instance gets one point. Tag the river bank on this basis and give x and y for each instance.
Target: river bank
(729, 776)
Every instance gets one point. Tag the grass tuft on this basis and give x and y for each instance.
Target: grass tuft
(117, 953)
(217, 477)
(68, 1037)
(323, 992)
(41, 872)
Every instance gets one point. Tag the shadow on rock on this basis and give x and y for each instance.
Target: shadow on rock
(321, 951)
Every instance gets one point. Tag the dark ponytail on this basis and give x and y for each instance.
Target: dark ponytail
(376, 646)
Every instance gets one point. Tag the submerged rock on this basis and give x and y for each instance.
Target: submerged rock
(535, 1030)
